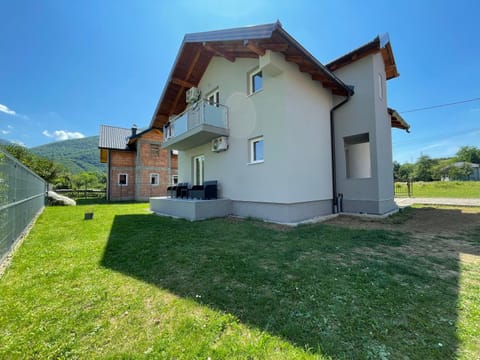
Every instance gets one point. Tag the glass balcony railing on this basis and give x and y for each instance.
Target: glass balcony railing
(201, 113)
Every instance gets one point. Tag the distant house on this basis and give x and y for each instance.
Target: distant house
(286, 137)
(474, 170)
(138, 167)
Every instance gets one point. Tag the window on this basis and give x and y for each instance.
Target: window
(256, 150)
(123, 179)
(198, 166)
(255, 82)
(214, 97)
(380, 87)
(357, 156)
(154, 150)
(174, 179)
(154, 179)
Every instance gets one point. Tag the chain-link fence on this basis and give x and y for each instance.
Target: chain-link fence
(22, 197)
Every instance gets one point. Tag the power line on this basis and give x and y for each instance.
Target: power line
(438, 106)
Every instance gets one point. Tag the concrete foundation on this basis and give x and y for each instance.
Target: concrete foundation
(191, 209)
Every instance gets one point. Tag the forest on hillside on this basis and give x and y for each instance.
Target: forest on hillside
(54, 172)
(77, 155)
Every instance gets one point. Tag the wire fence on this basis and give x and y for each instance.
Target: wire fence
(22, 198)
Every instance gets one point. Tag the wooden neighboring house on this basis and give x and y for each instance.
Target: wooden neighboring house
(138, 167)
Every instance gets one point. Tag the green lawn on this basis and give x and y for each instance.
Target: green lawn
(131, 285)
(447, 189)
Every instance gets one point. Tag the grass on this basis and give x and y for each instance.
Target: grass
(129, 284)
(447, 189)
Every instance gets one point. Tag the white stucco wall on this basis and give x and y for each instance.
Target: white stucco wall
(366, 112)
(291, 113)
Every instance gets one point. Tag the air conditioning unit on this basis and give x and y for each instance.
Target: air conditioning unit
(193, 94)
(220, 144)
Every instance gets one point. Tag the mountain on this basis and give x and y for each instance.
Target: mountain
(4, 142)
(78, 155)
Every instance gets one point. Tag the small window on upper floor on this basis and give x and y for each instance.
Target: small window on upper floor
(123, 179)
(255, 82)
(154, 150)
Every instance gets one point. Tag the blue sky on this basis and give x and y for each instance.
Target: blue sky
(67, 67)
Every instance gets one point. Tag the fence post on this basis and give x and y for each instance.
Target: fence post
(409, 188)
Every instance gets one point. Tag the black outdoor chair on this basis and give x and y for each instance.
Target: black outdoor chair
(182, 190)
(172, 191)
(204, 192)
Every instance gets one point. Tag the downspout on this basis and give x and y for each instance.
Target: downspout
(334, 167)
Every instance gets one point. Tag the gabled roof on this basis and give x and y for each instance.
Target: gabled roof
(380, 43)
(397, 121)
(114, 137)
(117, 138)
(198, 49)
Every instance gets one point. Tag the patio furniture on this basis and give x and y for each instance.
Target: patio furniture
(204, 192)
(172, 191)
(182, 190)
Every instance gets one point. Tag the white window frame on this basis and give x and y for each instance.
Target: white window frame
(174, 177)
(252, 142)
(201, 170)
(251, 75)
(215, 94)
(155, 176)
(126, 179)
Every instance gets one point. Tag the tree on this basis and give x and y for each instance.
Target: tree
(43, 167)
(396, 169)
(85, 180)
(405, 171)
(424, 168)
(469, 153)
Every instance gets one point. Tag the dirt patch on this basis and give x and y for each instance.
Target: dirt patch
(440, 232)
(425, 220)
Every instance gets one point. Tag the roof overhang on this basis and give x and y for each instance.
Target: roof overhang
(380, 44)
(397, 121)
(198, 49)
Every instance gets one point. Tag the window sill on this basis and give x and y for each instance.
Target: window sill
(256, 162)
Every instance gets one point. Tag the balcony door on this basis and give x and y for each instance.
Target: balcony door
(198, 168)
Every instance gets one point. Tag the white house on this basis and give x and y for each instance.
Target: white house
(286, 137)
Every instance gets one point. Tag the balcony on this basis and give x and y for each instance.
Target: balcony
(197, 125)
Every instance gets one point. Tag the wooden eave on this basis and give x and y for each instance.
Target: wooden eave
(194, 57)
(397, 121)
(370, 48)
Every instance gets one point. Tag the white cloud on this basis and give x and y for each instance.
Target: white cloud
(5, 132)
(6, 110)
(63, 135)
(18, 142)
(10, 127)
